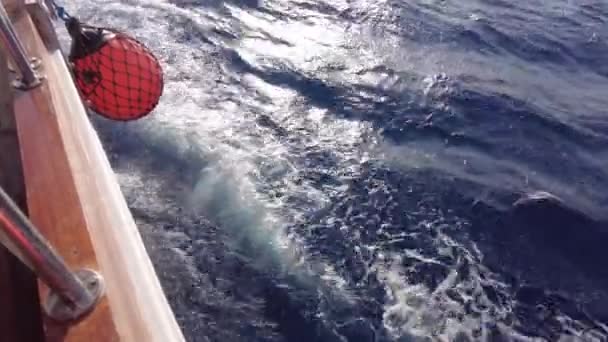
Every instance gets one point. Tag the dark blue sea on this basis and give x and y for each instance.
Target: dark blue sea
(348, 170)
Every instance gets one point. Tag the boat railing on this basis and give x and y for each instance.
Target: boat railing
(72, 294)
(29, 77)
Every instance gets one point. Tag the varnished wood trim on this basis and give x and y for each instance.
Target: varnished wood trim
(55, 207)
(20, 316)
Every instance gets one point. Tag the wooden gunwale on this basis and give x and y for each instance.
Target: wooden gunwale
(20, 316)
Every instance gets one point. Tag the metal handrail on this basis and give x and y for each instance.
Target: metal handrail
(72, 294)
(29, 77)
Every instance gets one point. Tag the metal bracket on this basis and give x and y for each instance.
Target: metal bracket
(35, 63)
(17, 51)
(18, 81)
(58, 309)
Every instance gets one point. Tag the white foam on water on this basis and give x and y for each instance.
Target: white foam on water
(210, 109)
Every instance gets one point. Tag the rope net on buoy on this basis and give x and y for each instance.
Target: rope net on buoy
(118, 77)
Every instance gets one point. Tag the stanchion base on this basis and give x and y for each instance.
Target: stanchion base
(57, 309)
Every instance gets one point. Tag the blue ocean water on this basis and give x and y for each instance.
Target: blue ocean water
(346, 170)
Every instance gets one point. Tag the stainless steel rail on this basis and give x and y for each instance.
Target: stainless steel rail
(72, 294)
(8, 38)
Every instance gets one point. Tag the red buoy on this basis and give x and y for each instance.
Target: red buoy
(118, 77)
